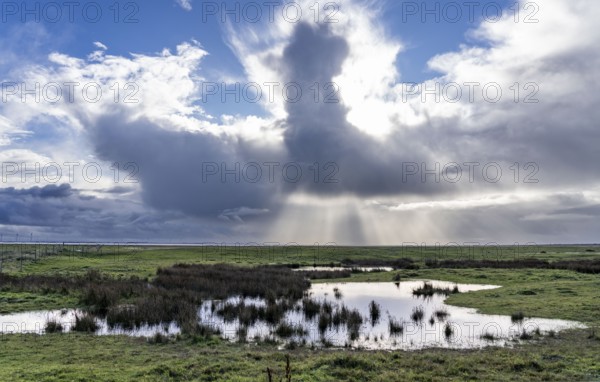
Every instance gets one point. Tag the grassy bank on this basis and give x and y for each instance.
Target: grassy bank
(58, 357)
(143, 262)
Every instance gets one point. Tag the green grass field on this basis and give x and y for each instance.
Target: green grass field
(570, 356)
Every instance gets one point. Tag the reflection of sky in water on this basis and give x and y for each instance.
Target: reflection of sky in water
(361, 269)
(35, 322)
(395, 299)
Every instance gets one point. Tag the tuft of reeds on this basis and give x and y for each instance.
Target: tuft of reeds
(324, 322)
(396, 327)
(525, 336)
(374, 312)
(517, 316)
(85, 323)
(310, 307)
(287, 330)
(417, 314)
(441, 314)
(53, 327)
(353, 324)
(428, 290)
(337, 293)
(448, 331)
(158, 338)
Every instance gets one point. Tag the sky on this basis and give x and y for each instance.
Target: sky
(354, 122)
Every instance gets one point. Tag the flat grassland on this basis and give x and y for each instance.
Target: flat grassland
(538, 288)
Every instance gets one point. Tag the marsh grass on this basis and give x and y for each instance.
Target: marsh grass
(402, 263)
(176, 293)
(322, 275)
(582, 266)
(215, 281)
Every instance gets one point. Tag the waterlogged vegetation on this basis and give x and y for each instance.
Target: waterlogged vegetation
(548, 282)
(194, 299)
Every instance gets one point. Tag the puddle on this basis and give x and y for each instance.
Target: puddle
(35, 322)
(334, 269)
(456, 328)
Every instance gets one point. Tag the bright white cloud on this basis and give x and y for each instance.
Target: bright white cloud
(185, 4)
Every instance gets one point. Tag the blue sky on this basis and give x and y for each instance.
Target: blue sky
(383, 164)
(146, 28)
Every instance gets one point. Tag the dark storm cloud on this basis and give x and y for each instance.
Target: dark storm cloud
(196, 173)
(60, 213)
(318, 131)
(49, 191)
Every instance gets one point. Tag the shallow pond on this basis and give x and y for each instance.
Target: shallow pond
(334, 269)
(437, 324)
